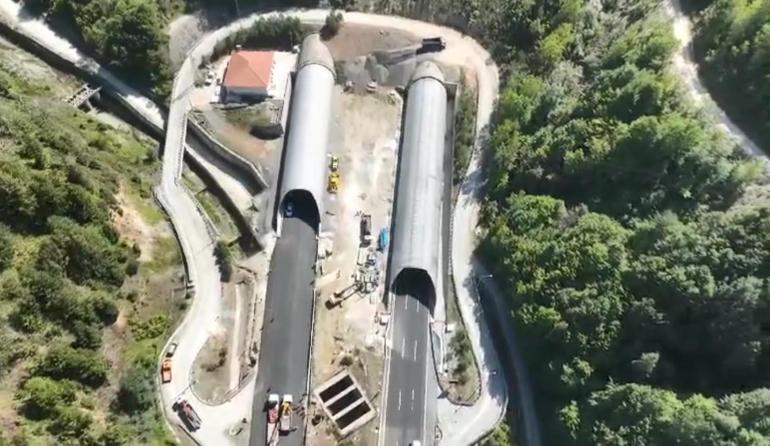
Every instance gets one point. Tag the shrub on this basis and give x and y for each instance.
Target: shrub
(137, 391)
(42, 397)
(224, 260)
(64, 362)
(332, 25)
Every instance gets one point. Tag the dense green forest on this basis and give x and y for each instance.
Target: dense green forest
(66, 273)
(639, 267)
(733, 46)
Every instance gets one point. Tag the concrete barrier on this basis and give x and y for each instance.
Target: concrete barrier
(242, 165)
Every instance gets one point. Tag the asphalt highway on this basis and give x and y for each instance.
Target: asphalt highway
(285, 345)
(411, 383)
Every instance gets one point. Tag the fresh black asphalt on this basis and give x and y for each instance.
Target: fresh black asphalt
(285, 344)
(410, 386)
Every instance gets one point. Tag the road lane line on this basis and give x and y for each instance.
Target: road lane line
(403, 345)
(399, 400)
(406, 302)
(415, 355)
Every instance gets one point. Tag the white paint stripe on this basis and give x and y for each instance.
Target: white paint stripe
(399, 400)
(415, 356)
(406, 303)
(403, 345)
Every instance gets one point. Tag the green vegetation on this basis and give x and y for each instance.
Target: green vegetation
(62, 270)
(733, 46)
(465, 132)
(460, 345)
(638, 273)
(224, 260)
(332, 25)
(280, 32)
(128, 35)
(501, 436)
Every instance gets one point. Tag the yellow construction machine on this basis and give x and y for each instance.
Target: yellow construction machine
(334, 182)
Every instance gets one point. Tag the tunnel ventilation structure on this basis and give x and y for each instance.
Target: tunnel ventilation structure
(417, 213)
(304, 164)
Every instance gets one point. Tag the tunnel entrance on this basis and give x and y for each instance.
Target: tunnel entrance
(304, 207)
(417, 284)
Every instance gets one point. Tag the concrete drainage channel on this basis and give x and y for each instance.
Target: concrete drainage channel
(345, 403)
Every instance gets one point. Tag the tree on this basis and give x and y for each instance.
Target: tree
(64, 362)
(224, 260)
(136, 391)
(332, 25)
(6, 248)
(44, 397)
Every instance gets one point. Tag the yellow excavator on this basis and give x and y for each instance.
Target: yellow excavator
(334, 182)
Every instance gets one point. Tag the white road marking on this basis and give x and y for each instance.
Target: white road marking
(403, 346)
(406, 303)
(415, 356)
(418, 307)
(399, 400)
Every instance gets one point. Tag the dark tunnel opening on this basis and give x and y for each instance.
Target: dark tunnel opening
(303, 207)
(417, 284)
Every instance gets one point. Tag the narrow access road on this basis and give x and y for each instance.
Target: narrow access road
(686, 69)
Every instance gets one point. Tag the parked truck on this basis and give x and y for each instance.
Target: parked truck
(287, 414)
(272, 419)
(188, 415)
(366, 229)
(165, 371)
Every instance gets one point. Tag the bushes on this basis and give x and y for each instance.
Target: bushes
(465, 133)
(279, 32)
(332, 25)
(137, 389)
(224, 260)
(128, 35)
(64, 362)
(6, 248)
(43, 397)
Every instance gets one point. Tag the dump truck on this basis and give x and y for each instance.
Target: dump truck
(366, 229)
(273, 402)
(188, 415)
(286, 414)
(165, 371)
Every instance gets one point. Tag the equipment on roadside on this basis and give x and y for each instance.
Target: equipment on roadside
(366, 229)
(334, 182)
(287, 414)
(272, 419)
(188, 415)
(165, 371)
(383, 240)
(334, 164)
(344, 294)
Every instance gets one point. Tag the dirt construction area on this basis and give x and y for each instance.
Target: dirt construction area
(365, 144)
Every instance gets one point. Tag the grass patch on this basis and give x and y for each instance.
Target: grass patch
(165, 255)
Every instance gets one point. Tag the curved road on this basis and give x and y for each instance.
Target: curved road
(191, 228)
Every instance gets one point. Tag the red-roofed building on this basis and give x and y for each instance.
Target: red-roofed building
(248, 76)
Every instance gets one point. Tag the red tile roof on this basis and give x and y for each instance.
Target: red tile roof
(249, 69)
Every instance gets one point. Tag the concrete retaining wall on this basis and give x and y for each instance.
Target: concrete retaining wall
(240, 164)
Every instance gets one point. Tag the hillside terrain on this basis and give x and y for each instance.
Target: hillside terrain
(631, 233)
(88, 268)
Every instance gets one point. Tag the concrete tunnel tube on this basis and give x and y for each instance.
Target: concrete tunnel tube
(303, 179)
(417, 213)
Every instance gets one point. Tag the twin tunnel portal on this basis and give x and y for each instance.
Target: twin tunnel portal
(407, 414)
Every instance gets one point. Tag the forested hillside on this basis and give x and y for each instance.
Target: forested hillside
(733, 46)
(81, 311)
(629, 233)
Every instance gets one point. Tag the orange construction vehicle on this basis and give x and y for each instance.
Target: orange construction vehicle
(165, 371)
